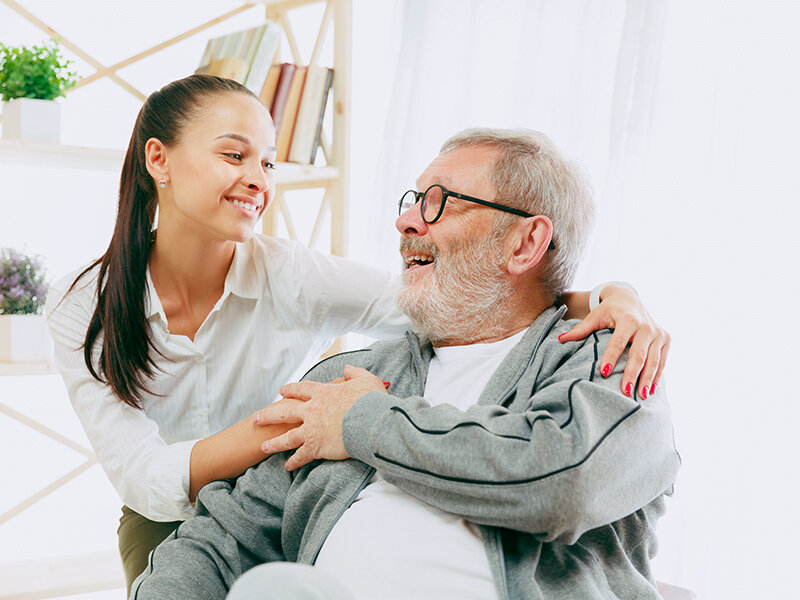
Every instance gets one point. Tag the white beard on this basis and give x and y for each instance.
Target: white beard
(465, 294)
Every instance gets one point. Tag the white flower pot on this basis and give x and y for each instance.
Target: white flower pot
(32, 120)
(24, 338)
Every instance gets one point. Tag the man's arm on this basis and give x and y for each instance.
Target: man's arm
(236, 527)
(576, 455)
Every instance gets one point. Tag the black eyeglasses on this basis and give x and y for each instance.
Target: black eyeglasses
(433, 199)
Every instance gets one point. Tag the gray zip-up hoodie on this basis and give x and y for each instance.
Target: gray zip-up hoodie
(565, 475)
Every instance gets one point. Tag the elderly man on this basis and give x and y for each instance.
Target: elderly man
(476, 458)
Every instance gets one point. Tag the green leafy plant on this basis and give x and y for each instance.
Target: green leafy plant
(22, 283)
(35, 72)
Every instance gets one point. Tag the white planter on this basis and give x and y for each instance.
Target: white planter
(25, 338)
(32, 120)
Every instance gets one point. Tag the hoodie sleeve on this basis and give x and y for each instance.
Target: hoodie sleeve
(571, 454)
(236, 528)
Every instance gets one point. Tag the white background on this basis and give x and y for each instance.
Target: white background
(692, 149)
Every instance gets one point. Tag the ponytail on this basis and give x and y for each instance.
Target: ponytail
(125, 362)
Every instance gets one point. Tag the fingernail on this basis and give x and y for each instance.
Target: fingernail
(644, 393)
(562, 335)
(265, 447)
(628, 389)
(653, 389)
(606, 370)
(256, 417)
(386, 384)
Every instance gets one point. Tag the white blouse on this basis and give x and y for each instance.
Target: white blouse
(282, 306)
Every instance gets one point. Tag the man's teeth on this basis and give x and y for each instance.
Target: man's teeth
(418, 259)
(246, 205)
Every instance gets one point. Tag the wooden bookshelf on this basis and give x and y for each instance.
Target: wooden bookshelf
(44, 578)
(332, 179)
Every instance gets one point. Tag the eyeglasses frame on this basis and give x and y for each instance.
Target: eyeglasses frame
(420, 196)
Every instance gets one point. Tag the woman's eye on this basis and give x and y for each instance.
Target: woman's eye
(269, 166)
(234, 155)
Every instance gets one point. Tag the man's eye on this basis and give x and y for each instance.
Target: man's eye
(234, 155)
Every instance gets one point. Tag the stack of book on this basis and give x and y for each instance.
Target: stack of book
(244, 56)
(295, 95)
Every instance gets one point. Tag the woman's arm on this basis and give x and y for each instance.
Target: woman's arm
(622, 310)
(230, 452)
(157, 479)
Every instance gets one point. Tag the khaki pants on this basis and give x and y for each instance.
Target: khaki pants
(138, 537)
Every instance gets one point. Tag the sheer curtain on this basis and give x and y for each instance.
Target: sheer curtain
(684, 114)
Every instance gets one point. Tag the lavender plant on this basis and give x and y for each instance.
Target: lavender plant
(22, 283)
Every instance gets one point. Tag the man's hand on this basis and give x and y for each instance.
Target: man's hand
(320, 408)
(621, 310)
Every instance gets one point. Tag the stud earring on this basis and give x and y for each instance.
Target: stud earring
(162, 184)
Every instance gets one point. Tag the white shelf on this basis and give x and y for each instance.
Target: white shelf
(59, 155)
(287, 174)
(26, 368)
(80, 157)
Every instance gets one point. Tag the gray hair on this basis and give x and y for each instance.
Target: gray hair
(532, 175)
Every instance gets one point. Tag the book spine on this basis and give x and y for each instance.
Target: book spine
(252, 42)
(262, 59)
(284, 137)
(311, 114)
(268, 91)
(282, 91)
(318, 132)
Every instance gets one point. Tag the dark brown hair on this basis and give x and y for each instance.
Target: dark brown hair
(125, 362)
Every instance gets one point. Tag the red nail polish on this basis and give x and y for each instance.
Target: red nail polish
(652, 389)
(644, 393)
(606, 370)
(562, 335)
(628, 389)
(386, 384)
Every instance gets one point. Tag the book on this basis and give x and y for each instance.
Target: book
(308, 128)
(253, 48)
(270, 85)
(284, 134)
(281, 92)
(230, 67)
(263, 54)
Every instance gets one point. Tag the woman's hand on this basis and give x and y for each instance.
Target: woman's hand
(621, 310)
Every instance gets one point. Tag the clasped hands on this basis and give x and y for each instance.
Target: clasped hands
(318, 410)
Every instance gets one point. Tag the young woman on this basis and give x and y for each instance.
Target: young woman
(170, 341)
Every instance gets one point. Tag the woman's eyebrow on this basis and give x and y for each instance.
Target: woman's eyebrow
(242, 139)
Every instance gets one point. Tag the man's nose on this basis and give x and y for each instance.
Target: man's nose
(410, 221)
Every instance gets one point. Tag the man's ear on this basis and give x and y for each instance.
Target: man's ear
(531, 241)
(155, 155)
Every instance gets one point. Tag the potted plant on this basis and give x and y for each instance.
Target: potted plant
(23, 331)
(30, 80)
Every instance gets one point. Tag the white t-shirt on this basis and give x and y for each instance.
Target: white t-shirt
(281, 307)
(390, 545)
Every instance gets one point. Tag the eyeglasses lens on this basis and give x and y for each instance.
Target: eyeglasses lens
(432, 203)
(408, 200)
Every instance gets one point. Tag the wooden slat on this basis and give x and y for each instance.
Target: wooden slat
(170, 42)
(323, 32)
(323, 208)
(68, 44)
(287, 29)
(46, 491)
